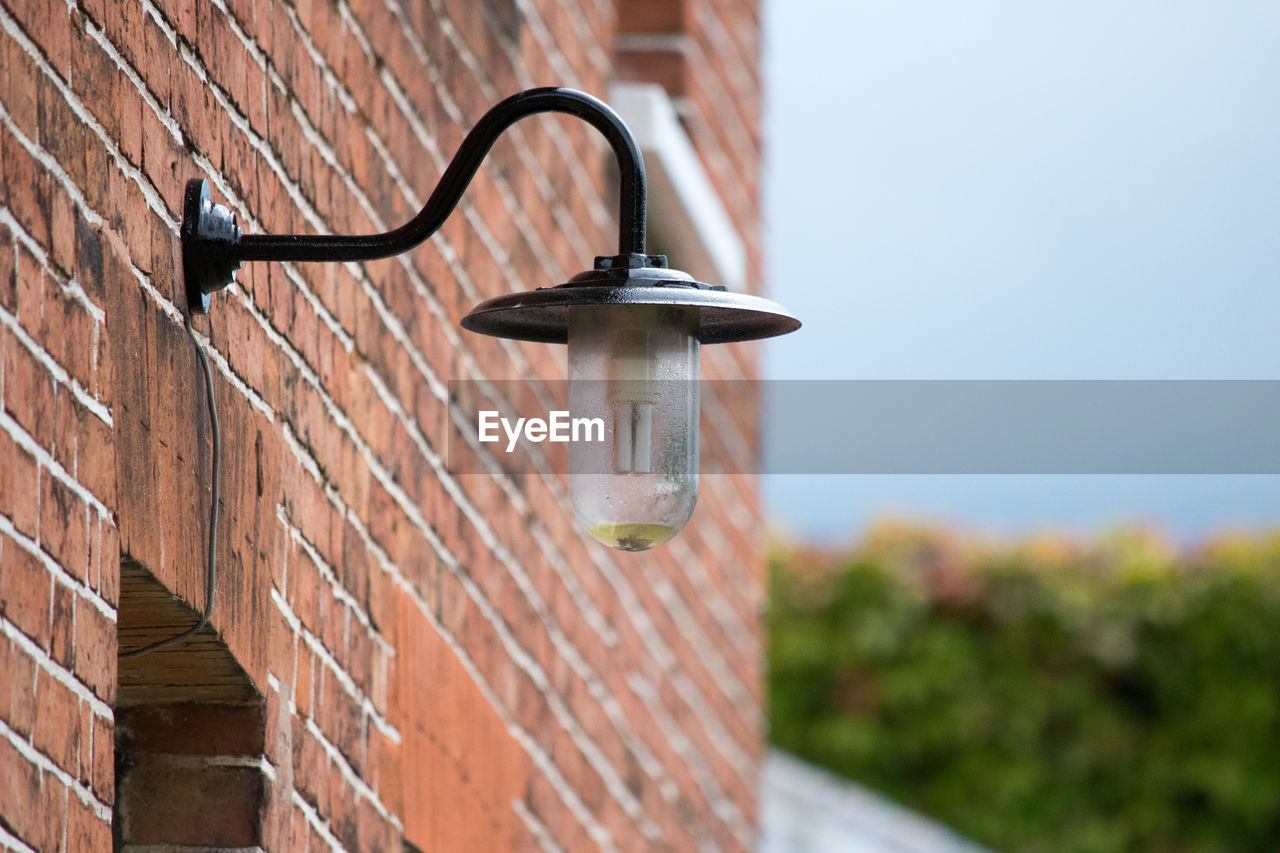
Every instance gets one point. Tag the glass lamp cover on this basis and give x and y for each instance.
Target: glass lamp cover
(636, 367)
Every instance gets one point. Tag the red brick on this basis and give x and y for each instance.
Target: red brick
(138, 228)
(19, 484)
(95, 657)
(31, 291)
(309, 764)
(130, 106)
(63, 644)
(26, 590)
(193, 728)
(17, 687)
(102, 771)
(159, 60)
(20, 794)
(65, 427)
(96, 459)
(209, 806)
(64, 526)
(53, 813)
(8, 272)
(57, 726)
(88, 264)
(304, 682)
(28, 391)
(19, 87)
(109, 562)
(85, 736)
(97, 162)
(85, 830)
(64, 233)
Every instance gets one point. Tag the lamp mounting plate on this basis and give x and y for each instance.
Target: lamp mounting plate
(210, 241)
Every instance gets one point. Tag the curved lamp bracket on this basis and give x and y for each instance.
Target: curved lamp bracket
(213, 246)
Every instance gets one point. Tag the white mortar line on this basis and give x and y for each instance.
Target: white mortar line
(13, 842)
(253, 762)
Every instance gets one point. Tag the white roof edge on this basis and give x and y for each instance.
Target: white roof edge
(676, 170)
(805, 807)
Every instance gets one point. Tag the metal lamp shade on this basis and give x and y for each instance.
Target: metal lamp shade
(543, 314)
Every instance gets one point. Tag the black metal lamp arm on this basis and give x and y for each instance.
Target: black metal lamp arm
(213, 246)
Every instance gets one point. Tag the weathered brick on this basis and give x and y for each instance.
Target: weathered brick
(21, 94)
(57, 725)
(17, 687)
(64, 235)
(29, 390)
(304, 684)
(109, 565)
(85, 830)
(26, 592)
(63, 437)
(88, 261)
(102, 771)
(208, 806)
(53, 800)
(95, 464)
(31, 289)
(20, 794)
(19, 483)
(63, 643)
(64, 526)
(221, 729)
(95, 657)
(8, 274)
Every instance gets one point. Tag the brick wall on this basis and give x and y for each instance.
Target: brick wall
(399, 658)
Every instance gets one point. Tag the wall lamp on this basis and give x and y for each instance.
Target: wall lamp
(633, 326)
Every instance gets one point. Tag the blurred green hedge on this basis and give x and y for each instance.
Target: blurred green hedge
(1042, 696)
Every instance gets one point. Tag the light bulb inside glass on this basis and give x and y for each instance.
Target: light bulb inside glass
(636, 367)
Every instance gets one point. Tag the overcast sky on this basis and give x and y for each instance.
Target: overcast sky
(1043, 190)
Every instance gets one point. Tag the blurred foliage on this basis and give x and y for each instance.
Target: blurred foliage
(1045, 696)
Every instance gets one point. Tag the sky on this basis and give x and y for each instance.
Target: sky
(1014, 190)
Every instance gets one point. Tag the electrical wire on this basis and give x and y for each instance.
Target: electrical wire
(211, 568)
